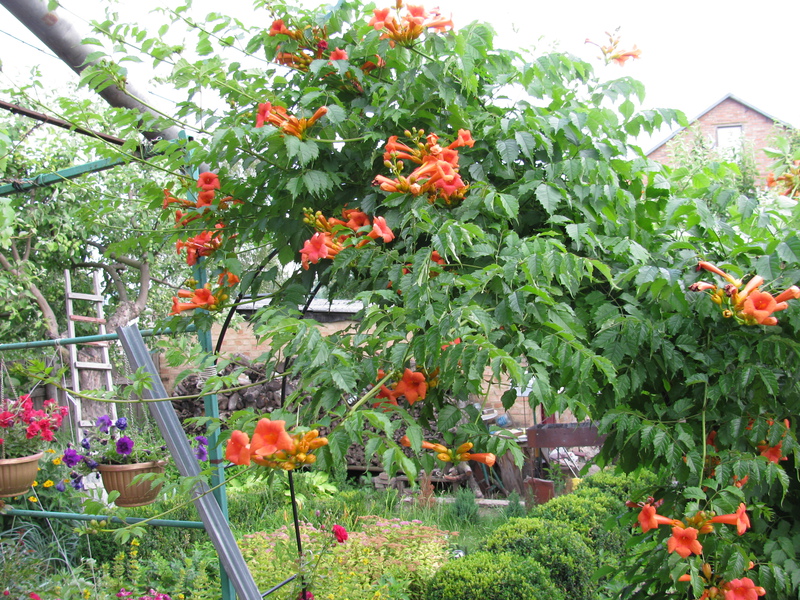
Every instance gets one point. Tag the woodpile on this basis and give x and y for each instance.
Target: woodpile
(263, 397)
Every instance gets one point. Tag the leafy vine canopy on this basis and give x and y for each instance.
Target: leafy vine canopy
(491, 213)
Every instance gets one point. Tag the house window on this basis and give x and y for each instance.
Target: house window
(729, 137)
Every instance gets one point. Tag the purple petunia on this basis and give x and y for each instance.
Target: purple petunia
(124, 445)
(71, 457)
(121, 423)
(103, 423)
(201, 439)
(60, 486)
(86, 444)
(201, 453)
(77, 483)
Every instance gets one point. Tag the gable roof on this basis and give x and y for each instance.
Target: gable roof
(728, 96)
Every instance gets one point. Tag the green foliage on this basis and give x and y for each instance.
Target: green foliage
(464, 507)
(633, 486)
(556, 546)
(499, 576)
(586, 511)
(358, 568)
(514, 508)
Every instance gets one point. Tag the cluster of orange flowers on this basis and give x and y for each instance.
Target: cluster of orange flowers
(406, 28)
(204, 297)
(437, 174)
(684, 542)
(750, 306)
(412, 385)
(612, 53)
(454, 455)
(202, 244)
(313, 45)
(788, 182)
(279, 118)
(334, 234)
(271, 446)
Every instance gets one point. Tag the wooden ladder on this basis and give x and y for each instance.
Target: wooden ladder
(77, 365)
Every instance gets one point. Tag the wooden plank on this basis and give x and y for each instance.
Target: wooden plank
(82, 296)
(92, 366)
(564, 435)
(87, 319)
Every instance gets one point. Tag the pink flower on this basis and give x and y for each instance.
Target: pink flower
(340, 533)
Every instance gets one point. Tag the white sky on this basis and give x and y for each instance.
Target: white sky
(693, 51)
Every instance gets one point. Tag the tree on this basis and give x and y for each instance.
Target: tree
(489, 210)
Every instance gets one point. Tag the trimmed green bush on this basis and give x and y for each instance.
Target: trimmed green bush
(589, 512)
(493, 576)
(623, 486)
(556, 546)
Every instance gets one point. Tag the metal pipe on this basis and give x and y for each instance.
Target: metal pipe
(86, 339)
(45, 179)
(60, 36)
(47, 514)
(163, 413)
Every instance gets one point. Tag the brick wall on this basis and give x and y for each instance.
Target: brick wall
(757, 130)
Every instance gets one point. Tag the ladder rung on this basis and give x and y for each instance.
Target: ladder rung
(93, 366)
(79, 296)
(87, 319)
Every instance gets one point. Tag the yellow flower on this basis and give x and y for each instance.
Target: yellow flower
(35, 483)
(86, 594)
(33, 499)
(135, 542)
(48, 483)
(57, 461)
(50, 450)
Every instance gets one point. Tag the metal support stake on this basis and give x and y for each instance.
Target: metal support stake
(212, 516)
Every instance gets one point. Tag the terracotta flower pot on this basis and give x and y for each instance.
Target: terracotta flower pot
(18, 474)
(117, 478)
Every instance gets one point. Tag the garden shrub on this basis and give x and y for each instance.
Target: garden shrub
(361, 568)
(493, 576)
(556, 546)
(514, 508)
(624, 486)
(589, 512)
(464, 509)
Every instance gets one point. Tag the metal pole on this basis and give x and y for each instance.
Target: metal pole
(86, 339)
(46, 514)
(212, 516)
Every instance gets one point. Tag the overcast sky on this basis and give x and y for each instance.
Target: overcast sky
(693, 52)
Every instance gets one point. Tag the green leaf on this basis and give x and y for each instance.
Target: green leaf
(549, 197)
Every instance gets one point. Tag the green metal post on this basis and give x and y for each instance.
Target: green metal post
(43, 180)
(211, 405)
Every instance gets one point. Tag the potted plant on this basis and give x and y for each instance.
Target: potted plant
(110, 450)
(24, 431)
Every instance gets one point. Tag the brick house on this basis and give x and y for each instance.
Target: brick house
(728, 124)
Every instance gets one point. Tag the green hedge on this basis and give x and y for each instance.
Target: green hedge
(556, 546)
(493, 576)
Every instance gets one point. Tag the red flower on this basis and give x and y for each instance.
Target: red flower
(238, 449)
(340, 533)
(321, 245)
(648, 519)
(743, 589)
(759, 306)
(338, 55)
(269, 437)
(772, 453)
(684, 542)
(486, 458)
(739, 518)
(381, 230)
(412, 386)
(208, 181)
